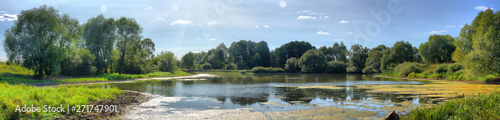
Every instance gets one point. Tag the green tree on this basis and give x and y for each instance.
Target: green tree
(291, 49)
(128, 36)
(373, 61)
(241, 52)
(188, 61)
(463, 43)
(40, 38)
(400, 52)
(313, 61)
(292, 65)
(340, 51)
(358, 58)
(257, 60)
(262, 49)
(336, 67)
(99, 37)
(167, 62)
(438, 49)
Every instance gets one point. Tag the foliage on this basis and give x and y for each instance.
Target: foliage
(40, 38)
(231, 66)
(312, 61)
(373, 61)
(358, 58)
(167, 62)
(438, 49)
(292, 65)
(455, 67)
(262, 50)
(480, 107)
(206, 66)
(441, 69)
(99, 38)
(397, 54)
(336, 67)
(13, 95)
(241, 52)
(267, 70)
(406, 68)
(291, 49)
(188, 61)
(128, 41)
(339, 51)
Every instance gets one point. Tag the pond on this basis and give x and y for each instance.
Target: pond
(292, 96)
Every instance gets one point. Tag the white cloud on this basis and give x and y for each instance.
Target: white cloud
(104, 8)
(2, 11)
(437, 32)
(326, 17)
(212, 39)
(339, 39)
(179, 21)
(322, 33)
(257, 26)
(345, 21)
(305, 17)
(482, 8)
(8, 17)
(265, 26)
(461, 26)
(160, 19)
(450, 26)
(213, 22)
(148, 8)
(282, 4)
(349, 33)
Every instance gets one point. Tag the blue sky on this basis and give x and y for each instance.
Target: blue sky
(181, 26)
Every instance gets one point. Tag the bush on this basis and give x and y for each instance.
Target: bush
(412, 75)
(312, 61)
(292, 65)
(435, 75)
(336, 67)
(231, 66)
(441, 69)
(266, 70)
(455, 67)
(206, 66)
(406, 68)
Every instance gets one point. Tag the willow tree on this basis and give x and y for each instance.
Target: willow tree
(99, 38)
(128, 37)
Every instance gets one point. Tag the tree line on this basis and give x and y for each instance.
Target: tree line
(53, 44)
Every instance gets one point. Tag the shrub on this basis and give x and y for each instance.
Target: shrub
(231, 66)
(292, 65)
(412, 75)
(436, 76)
(336, 67)
(206, 66)
(421, 75)
(266, 70)
(455, 67)
(406, 68)
(440, 69)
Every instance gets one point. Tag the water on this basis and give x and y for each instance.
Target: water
(280, 92)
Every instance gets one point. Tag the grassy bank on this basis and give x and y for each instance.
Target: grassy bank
(481, 107)
(16, 74)
(454, 71)
(13, 95)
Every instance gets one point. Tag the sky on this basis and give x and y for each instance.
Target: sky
(181, 26)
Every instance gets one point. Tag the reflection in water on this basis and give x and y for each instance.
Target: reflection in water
(251, 89)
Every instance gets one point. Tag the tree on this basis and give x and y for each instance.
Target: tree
(438, 49)
(263, 50)
(292, 65)
(339, 52)
(358, 58)
(400, 52)
(312, 61)
(40, 39)
(188, 61)
(241, 52)
(99, 38)
(128, 36)
(482, 56)
(373, 61)
(167, 62)
(336, 67)
(257, 60)
(291, 49)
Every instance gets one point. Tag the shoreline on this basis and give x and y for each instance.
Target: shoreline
(434, 79)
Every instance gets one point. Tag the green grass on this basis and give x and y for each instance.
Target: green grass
(13, 95)
(443, 71)
(16, 74)
(267, 70)
(485, 107)
(85, 79)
